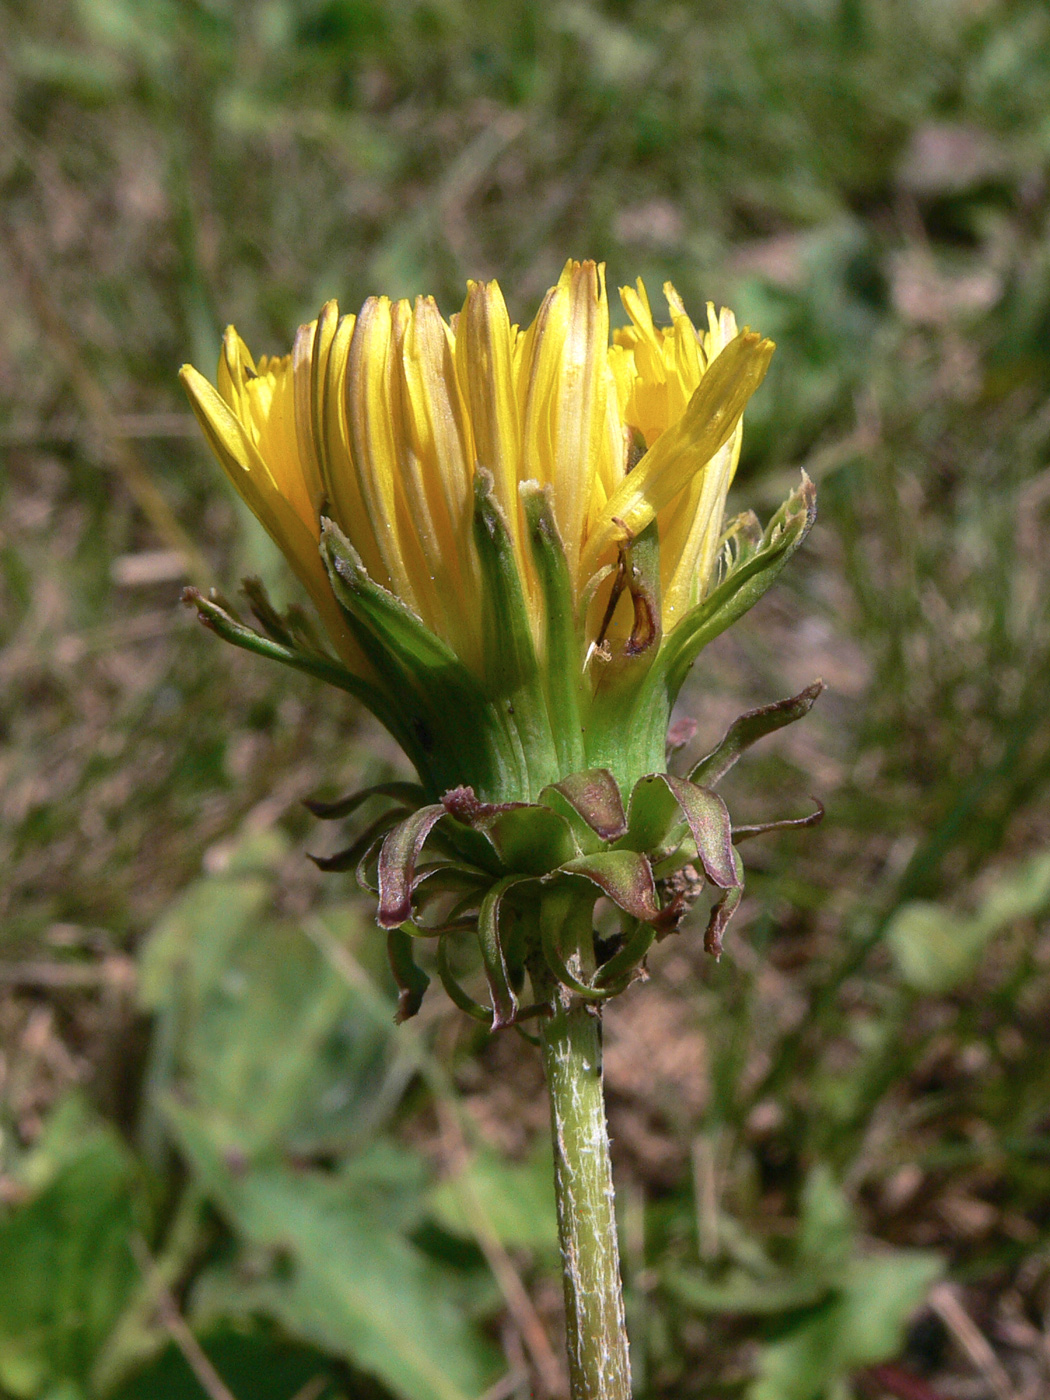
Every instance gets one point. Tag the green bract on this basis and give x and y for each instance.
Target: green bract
(522, 879)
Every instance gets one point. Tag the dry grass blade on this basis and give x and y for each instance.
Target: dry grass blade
(945, 1303)
(177, 1329)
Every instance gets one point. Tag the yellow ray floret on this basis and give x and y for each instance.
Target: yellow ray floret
(382, 420)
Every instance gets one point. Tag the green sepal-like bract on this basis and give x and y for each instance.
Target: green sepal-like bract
(592, 802)
(546, 704)
(657, 805)
(562, 643)
(494, 957)
(513, 674)
(443, 706)
(626, 727)
(748, 728)
(523, 879)
(750, 570)
(411, 980)
(219, 617)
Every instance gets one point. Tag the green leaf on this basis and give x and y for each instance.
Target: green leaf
(87, 78)
(937, 950)
(517, 1200)
(280, 1052)
(389, 1180)
(348, 1283)
(863, 1325)
(67, 1266)
(185, 950)
(258, 1029)
(826, 1226)
(253, 1365)
(739, 1291)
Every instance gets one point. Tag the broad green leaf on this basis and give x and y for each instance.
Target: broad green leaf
(1019, 893)
(826, 1226)
(390, 1181)
(60, 1142)
(937, 949)
(67, 1269)
(87, 78)
(739, 1291)
(258, 1029)
(517, 1200)
(864, 1324)
(279, 1050)
(347, 1281)
(186, 948)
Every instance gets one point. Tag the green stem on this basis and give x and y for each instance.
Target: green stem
(599, 1368)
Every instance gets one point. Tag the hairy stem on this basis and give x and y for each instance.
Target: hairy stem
(599, 1368)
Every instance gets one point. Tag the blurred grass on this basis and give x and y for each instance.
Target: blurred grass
(864, 180)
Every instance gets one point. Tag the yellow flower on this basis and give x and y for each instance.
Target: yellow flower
(380, 422)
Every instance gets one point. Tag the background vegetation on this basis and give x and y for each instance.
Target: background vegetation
(221, 1170)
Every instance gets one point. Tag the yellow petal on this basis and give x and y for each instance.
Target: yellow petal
(342, 488)
(485, 366)
(709, 421)
(372, 382)
(567, 386)
(264, 492)
(437, 472)
(646, 407)
(691, 531)
(310, 353)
